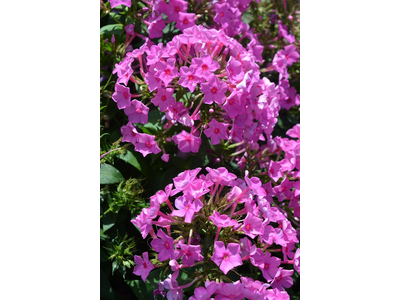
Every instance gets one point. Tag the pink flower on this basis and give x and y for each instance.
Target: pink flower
(252, 225)
(167, 71)
(226, 258)
(143, 266)
(222, 175)
(291, 54)
(191, 253)
(156, 27)
(122, 96)
(144, 222)
(174, 8)
(216, 131)
(233, 104)
(296, 263)
(276, 294)
(164, 246)
(222, 220)
(274, 171)
(129, 133)
(114, 3)
(234, 70)
(137, 112)
(294, 132)
(205, 66)
(146, 144)
(188, 78)
(283, 279)
(186, 207)
(269, 266)
(214, 90)
(164, 98)
(185, 20)
(187, 142)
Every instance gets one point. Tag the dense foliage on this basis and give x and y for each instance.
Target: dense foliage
(200, 149)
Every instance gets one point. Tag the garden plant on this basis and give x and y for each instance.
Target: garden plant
(200, 149)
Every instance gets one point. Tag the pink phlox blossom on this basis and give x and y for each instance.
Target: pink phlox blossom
(292, 99)
(283, 279)
(287, 251)
(199, 188)
(167, 71)
(143, 266)
(188, 78)
(223, 14)
(236, 133)
(214, 90)
(122, 96)
(143, 222)
(153, 81)
(253, 289)
(137, 112)
(234, 70)
(175, 291)
(216, 131)
(174, 7)
(204, 293)
(222, 175)
(294, 132)
(288, 231)
(275, 294)
(184, 180)
(164, 98)
(283, 32)
(279, 63)
(233, 104)
(154, 54)
(252, 225)
(205, 66)
(114, 3)
(164, 246)
(165, 157)
(269, 266)
(291, 54)
(185, 20)
(142, 49)
(222, 220)
(129, 133)
(284, 190)
(229, 291)
(156, 27)
(186, 207)
(187, 142)
(274, 170)
(190, 254)
(255, 184)
(146, 144)
(226, 258)
(247, 248)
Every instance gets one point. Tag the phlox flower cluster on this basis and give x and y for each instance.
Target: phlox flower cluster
(226, 100)
(212, 224)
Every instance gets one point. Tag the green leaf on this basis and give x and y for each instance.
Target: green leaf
(111, 29)
(136, 159)
(106, 292)
(109, 174)
(144, 290)
(109, 220)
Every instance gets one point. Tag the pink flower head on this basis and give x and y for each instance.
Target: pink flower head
(146, 144)
(143, 266)
(233, 104)
(174, 8)
(187, 142)
(222, 220)
(222, 175)
(188, 78)
(205, 66)
(276, 294)
(282, 32)
(156, 27)
(144, 222)
(231, 290)
(153, 81)
(291, 54)
(167, 71)
(274, 171)
(114, 3)
(129, 133)
(269, 266)
(296, 263)
(226, 258)
(190, 254)
(164, 98)
(234, 70)
(216, 131)
(187, 207)
(294, 132)
(252, 225)
(214, 90)
(223, 13)
(185, 20)
(122, 96)
(164, 246)
(137, 112)
(283, 279)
